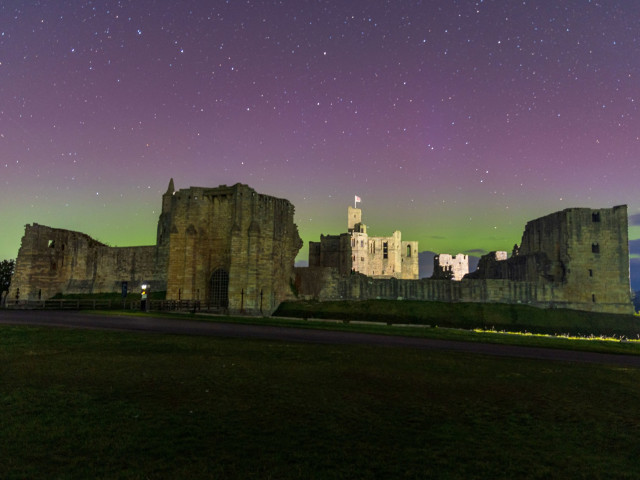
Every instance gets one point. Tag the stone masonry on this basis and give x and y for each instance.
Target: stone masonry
(577, 258)
(446, 266)
(233, 249)
(356, 251)
(53, 260)
(230, 248)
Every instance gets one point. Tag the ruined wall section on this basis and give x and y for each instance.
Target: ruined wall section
(410, 265)
(332, 251)
(53, 260)
(446, 266)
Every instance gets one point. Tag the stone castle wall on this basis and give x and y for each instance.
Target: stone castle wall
(53, 260)
(228, 247)
(539, 294)
(577, 258)
(232, 248)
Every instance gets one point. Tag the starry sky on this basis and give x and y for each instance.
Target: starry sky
(455, 121)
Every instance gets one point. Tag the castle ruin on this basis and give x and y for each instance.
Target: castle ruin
(577, 258)
(233, 249)
(230, 248)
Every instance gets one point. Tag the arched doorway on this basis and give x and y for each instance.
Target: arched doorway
(219, 288)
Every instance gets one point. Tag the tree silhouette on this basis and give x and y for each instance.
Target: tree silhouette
(6, 270)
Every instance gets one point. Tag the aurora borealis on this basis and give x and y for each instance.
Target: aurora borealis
(455, 121)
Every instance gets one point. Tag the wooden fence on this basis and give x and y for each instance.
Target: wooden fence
(96, 304)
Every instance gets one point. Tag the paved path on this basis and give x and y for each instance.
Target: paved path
(72, 319)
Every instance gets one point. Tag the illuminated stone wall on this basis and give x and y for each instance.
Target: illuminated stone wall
(577, 258)
(229, 247)
(54, 260)
(446, 266)
(356, 251)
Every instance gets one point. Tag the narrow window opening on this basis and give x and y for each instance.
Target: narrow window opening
(593, 297)
(385, 250)
(590, 272)
(408, 250)
(595, 247)
(52, 244)
(595, 217)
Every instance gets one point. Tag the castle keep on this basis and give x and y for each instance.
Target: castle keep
(356, 251)
(230, 248)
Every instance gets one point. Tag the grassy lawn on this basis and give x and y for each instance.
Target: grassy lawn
(92, 404)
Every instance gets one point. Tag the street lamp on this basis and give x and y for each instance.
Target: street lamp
(144, 305)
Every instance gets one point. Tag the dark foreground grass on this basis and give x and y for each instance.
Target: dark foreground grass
(90, 404)
(471, 315)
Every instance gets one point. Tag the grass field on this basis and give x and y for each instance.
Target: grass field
(91, 404)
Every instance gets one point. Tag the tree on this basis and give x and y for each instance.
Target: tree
(6, 270)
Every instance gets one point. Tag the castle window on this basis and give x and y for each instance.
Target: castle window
(385, 250)
(52, 244)
(362, 259)
(590, 272)
(595, 217)
(595, 247)
(408, 250)
(593, 297)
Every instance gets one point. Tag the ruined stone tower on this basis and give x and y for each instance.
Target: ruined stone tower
(576, 258)
(229, 247)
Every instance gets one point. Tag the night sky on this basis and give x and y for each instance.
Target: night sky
(455, 121)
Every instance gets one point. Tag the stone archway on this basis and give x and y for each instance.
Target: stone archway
(219, 289)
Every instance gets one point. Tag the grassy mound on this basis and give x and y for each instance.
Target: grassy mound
(469, 316)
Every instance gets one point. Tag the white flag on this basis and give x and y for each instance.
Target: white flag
(358, 199)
